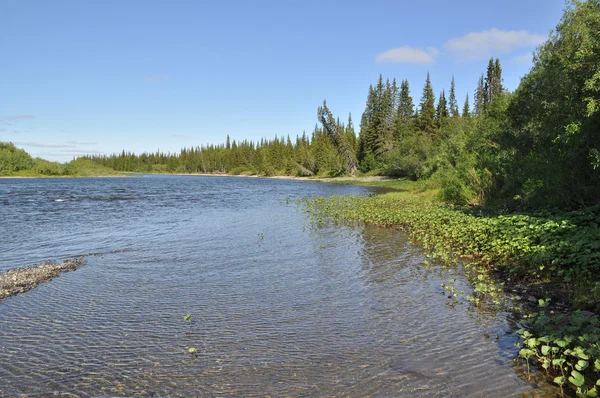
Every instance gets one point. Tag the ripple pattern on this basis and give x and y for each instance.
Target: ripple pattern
(279, 307)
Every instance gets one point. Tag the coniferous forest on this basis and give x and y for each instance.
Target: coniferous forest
(538, 146)
(535, 147)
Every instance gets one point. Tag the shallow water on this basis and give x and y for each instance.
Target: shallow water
(279, 306)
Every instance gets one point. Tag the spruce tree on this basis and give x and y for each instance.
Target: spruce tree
(366, 135)
(385, 121)
(452, 99)
(479, 97)
(466, 110)
(441, 113)
(405, 113)
(427, 108)
(493, 81)
(337, 138)
(406, 107)
(351, 135)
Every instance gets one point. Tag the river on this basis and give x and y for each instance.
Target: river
(280, 306)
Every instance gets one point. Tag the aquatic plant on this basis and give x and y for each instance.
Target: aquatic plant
(553, 253)
(565, 345)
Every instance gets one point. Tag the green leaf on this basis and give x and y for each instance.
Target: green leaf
(187, 317)
(545, 349)
(561, 343)
(560, 380)
(526, 353)
(581, 365)
(577, 378)
(592, 392)
(192, 350)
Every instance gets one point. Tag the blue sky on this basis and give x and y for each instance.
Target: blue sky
(101, 76)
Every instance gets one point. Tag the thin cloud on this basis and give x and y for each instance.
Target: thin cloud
(408, 55)
(45, 145)
(64, 153)
(477, 45)
(81, 143)
(526, 58)
(17, 117)
(79, 152)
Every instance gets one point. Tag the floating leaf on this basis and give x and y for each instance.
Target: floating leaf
(187, 317)
(192, 350)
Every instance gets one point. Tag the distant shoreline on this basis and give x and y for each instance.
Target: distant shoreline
(276, 177)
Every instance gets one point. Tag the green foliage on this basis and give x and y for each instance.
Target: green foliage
(44, 167)
(427, 109)
(553, 131)
(13, 159)
(337, 136)
(86, 168)
(563, 248)
(565, 345)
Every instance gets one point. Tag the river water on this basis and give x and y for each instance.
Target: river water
(280, 306)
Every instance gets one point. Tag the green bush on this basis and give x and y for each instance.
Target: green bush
(13, 159)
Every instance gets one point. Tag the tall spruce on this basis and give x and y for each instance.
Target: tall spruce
(493, 82)
(479, 98)
(366, 137)
(466, 109)
(441, 113)
(337, 137)
(427, 108)
(385, 130)
(453, 104)
(405, 113)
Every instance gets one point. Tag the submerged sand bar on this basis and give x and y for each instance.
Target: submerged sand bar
(21, 280)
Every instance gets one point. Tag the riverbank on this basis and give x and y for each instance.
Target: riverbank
(21, 280)
(555, 252)
(555, 256)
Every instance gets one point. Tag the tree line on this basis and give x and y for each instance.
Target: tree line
(538, 146)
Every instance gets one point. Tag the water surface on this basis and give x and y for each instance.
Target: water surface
(279, 306)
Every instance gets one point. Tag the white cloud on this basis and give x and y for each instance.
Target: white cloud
(476, 45)
(526, 58)
(409, 55)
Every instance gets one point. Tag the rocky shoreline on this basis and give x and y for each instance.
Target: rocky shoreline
(21, 280)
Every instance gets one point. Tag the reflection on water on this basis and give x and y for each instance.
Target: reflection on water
(279, 307)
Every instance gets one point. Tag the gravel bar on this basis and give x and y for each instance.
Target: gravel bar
(21, 280)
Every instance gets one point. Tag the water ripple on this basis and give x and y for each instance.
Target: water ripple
(278, 309)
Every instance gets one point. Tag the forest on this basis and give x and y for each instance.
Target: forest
(536, 147)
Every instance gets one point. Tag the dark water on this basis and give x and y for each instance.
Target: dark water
(280, 307)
